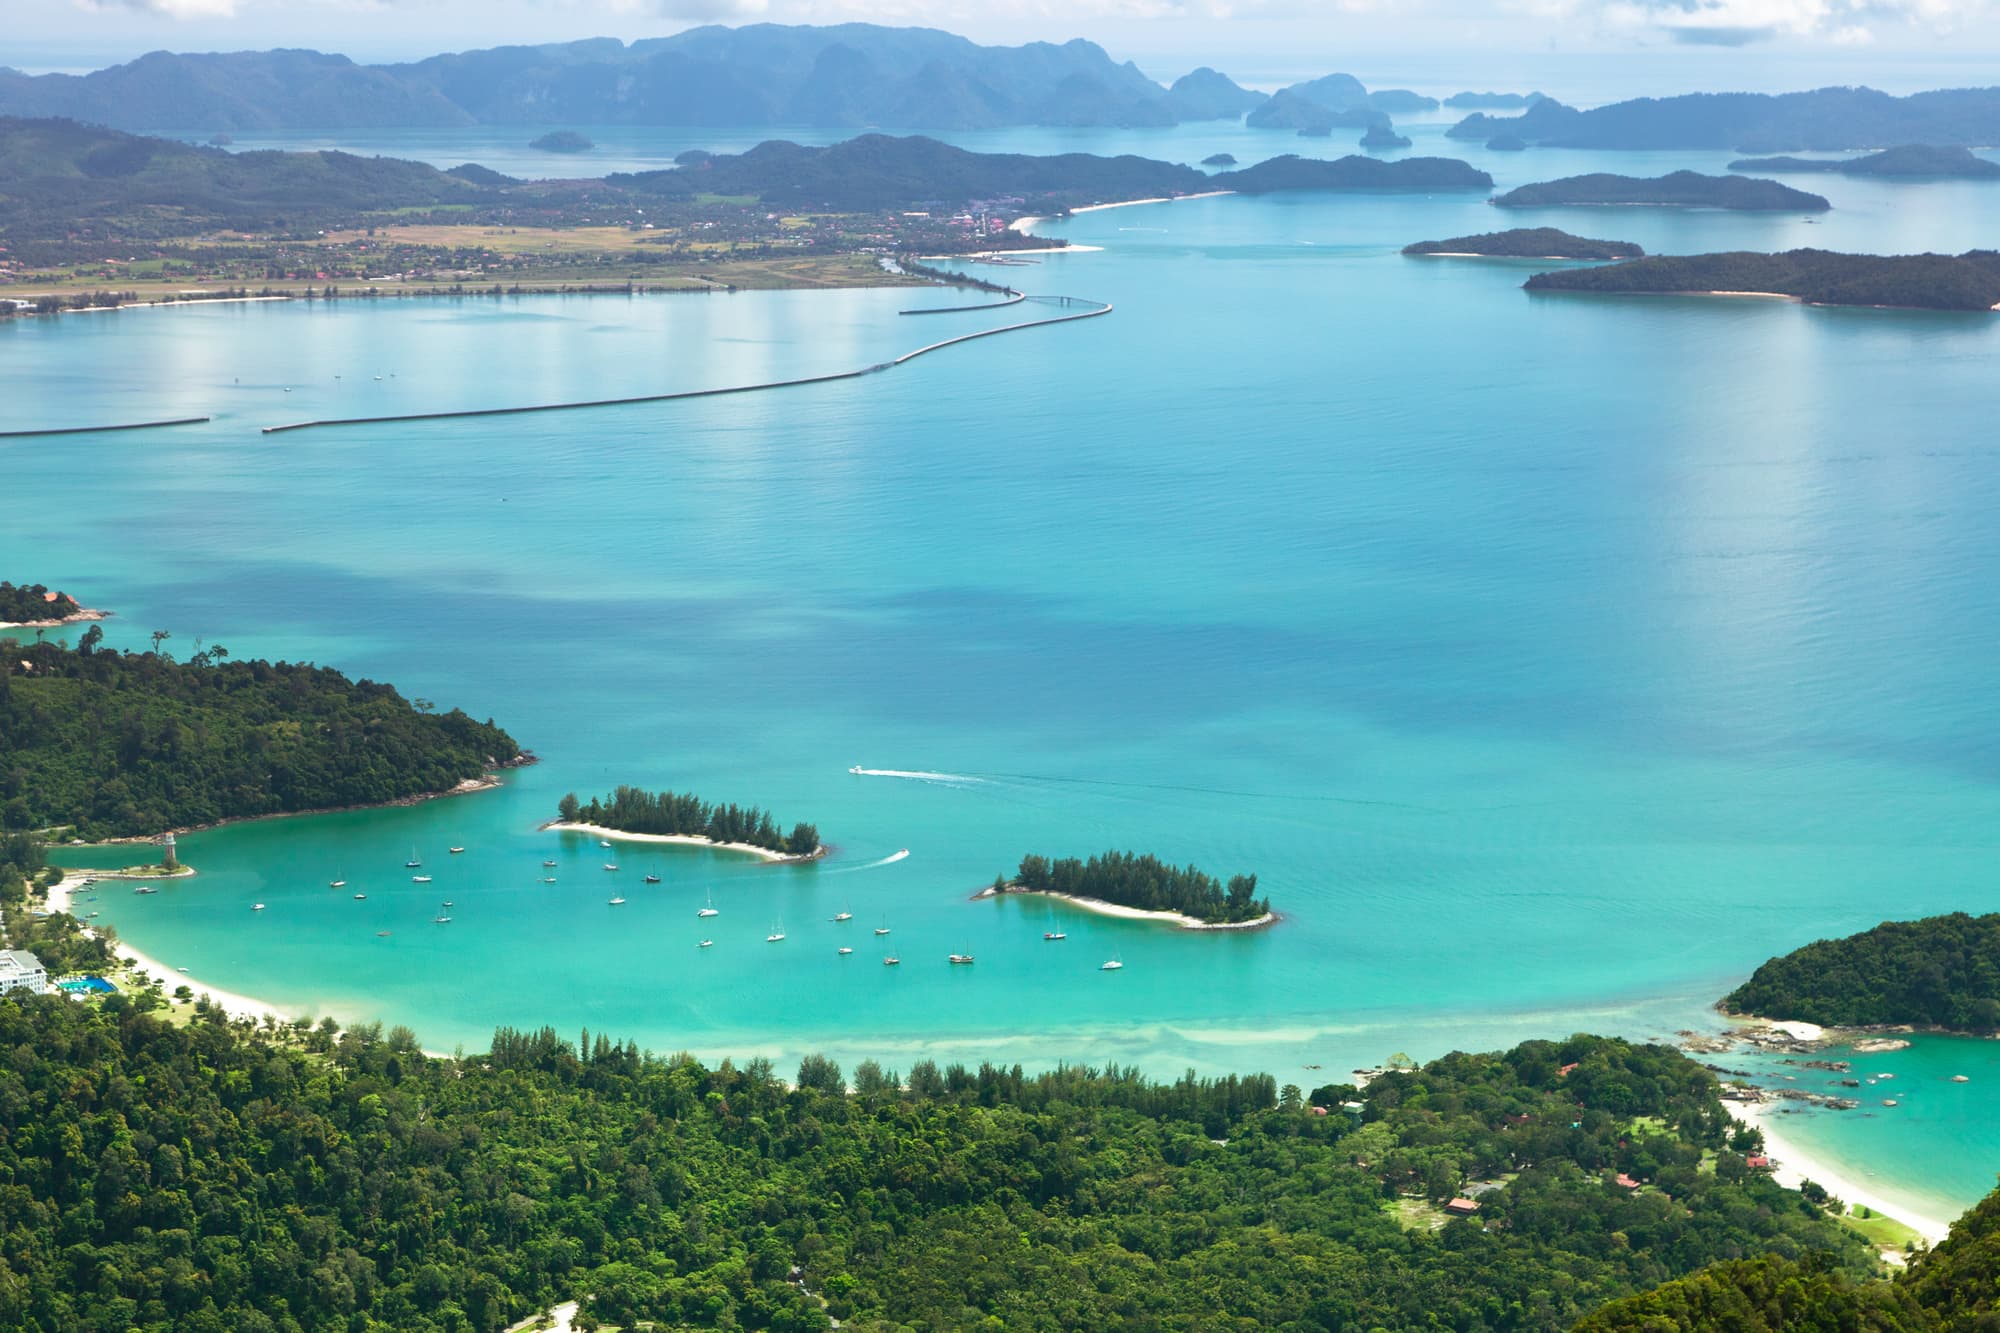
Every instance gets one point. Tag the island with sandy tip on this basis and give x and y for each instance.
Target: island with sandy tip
(1525, 243)
(1141, 888)
(33, 606)
(636, 815)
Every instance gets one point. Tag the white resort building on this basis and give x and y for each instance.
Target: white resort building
(21, 970)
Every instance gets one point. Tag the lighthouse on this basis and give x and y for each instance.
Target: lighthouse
(167, 846)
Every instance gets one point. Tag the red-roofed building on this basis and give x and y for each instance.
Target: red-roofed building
(1564, 1071)
(1626, 1182)
(1462, 1207)
(1757, 1162)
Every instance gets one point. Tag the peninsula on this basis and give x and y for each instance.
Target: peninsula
(1526, 243)
(108, 744)
(1142, 887)
(1938, 972)
(1680, 189)
(1910, 162)
(666, 816)
(33, 606)
(1970, 281)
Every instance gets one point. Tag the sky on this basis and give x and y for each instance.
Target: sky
(1663, 44)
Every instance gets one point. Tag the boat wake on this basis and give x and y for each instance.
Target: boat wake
(888, 860)
(917, 775)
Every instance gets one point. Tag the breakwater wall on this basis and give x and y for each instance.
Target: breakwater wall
(99, 430)
(1077, 308)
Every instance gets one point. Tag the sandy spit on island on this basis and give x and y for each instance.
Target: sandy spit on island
(81, 615)
(681, 840)
(1102, 908)
(1793, 1163)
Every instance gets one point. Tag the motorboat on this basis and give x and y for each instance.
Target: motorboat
(1054, 935)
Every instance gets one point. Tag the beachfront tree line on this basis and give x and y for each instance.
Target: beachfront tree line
(33, 601)
(110, 743)
(204, 1176)
(1146, 882)
(682, 814)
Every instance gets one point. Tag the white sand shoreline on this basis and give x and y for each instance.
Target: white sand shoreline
(682, 840)
(1022, 224)
(1119, 910)
(1793, 1163)
(83, 614)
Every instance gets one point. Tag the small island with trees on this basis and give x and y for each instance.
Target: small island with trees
(1219, 160)
(108, 744)
(33, 606)
(1526, 243)
(1130, 885)
(681, 817)
(1679, 189)
(1910, 162)
(562, 141)
(1969, 282)
(1939, 972)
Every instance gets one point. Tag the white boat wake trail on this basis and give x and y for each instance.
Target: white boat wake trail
(888, 860)
(917, 775)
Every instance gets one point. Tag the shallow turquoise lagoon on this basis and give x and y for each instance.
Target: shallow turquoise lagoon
(1552, 661)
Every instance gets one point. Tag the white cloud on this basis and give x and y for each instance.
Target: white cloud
(1738, 22)
(173, 9)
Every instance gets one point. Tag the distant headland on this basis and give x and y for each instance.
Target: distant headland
(1680, 189)
(33, 606)
(1969, 282)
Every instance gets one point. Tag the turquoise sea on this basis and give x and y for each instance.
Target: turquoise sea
(1552, 661)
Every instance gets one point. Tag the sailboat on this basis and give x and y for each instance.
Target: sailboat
(257, 907)
(338, 884)
(548, 863)
(883, 929)
(1054, 935)
(843, 951)
(359, 896)
(710, 909)
(777, 933)
(609, 865)
(455, 850)
(604, 842)
(890, 960)
(1111, 965)
(843, 915)
(414, 860)
(420, 879)
(961, 959)
(443, 918)
(652, 879)
(706, 944)
(617, 902)
(548, 879)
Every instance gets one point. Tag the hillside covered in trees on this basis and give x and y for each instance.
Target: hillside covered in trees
(1145, 882)
(1949, 1290)
(1970, 281)
(684, 815)
(21, 603)
(1352, 172)
(1677, 189)
(117, 744)
(199, 1177)
(1528, 243)
(1942, 971)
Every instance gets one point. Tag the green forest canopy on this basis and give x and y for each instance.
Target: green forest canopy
(1677, 189)
(121, 744)
(21, 602)
(1942, 971)
(1970, 281)
(683, 814)
(1146, 882)
(198, 1178)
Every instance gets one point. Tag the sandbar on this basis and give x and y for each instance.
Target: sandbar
(1120, 910)
(683, 840)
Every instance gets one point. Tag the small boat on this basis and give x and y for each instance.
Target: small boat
(617, 902)
(1111, 965)
(652, 879)
(338, 884)
(604, 842)
(381, 934)
(961, 959)
(93, 916)
(548, 863)
(710, 909)
(414, 860)
(609, 866)
(854, 768)
(1054, 935)
(145, 888)
(843, 915)
(883, 929)
(890, 960)
(706, 944)
(183, 971)
(548, 879)
(420, 879)
(448, 903)
(455, 850)
(777, 933)
(442, 919)
(359, 896)
(257, 907)
(843, 951)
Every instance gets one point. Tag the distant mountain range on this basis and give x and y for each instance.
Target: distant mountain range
(1825, 119)
(850, 75)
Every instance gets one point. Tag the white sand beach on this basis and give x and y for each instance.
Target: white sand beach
(1102, 908)
(1793, 1163)
(680, 840)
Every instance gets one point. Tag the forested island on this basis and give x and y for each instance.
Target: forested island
(1941, 971)
(1910, 162)
(1142, 884)
(562, 141)
(1352, 172)
(1679, 189)
(1528, 243)
(142, 1159)
(1822, 120)
(1970, 281)
(1380, 138)
(33, 604)
(667, 814)
(118, 744)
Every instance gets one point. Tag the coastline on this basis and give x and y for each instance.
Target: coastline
(1022, 224)
(1793, 1163)
(1119, 910)
(685, 840)
(77, 618)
